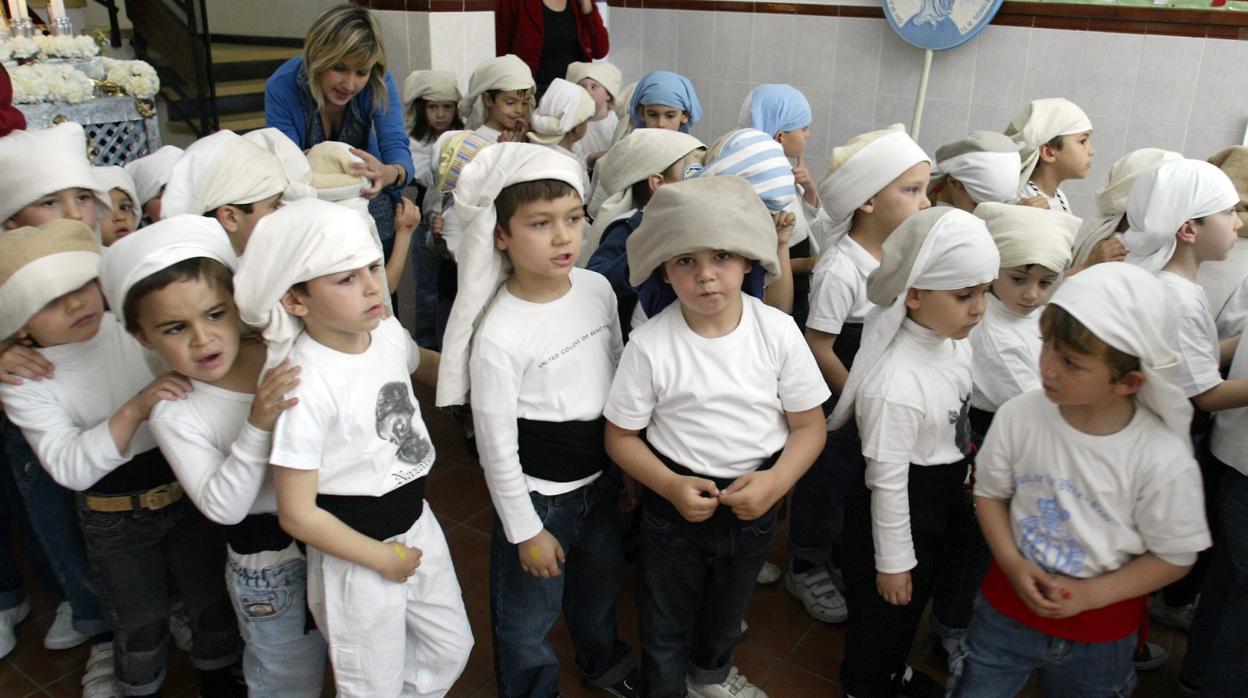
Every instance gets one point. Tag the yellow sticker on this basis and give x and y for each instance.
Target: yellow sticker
(401, 551)
(535, 552)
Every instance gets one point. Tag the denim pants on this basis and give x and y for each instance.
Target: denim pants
(524, 608)
(55, 522)
(425, 264)
(999, 654)
(1217, 653)
(818, 503)
(283, 658)
(133, 553)
(694, 581)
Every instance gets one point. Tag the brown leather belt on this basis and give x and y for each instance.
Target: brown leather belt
(152, 500)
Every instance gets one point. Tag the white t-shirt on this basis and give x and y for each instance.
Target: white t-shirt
(551, 362)
(421, 154)
(357, 420)
(1224, 284)
(1230, 427)
(1085, 505)
(1193, 335)
(912, 408)
(488, 133)
(716, 405)
(1006, 348)
(65, 418)
(838, 287)
(598, 138)
(221, 460)
(1056, 203)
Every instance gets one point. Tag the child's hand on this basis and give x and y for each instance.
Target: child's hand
(406, 217)
(630, 493)
(171, 386)
(270, 399)
(785, 222)
(751, 495)
(1074, 596)
(1038, 589)
(810, 193)
(895, 588)
(1107, 250)
(398, 561)
(19, 361)
(436, 224)
(1034, 201)
(694, 497)
(541, 555)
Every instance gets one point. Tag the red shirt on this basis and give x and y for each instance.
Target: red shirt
(518, 29)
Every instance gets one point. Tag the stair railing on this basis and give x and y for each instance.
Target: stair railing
(173, 34)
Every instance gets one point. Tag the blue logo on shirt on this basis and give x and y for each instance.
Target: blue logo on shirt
(1046, 541)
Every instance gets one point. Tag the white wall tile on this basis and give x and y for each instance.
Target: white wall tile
(418, 41)
(857, 67)
(733, 33)
(705, 89)
(852, 113)
(1107, 73)
(1169, 66)
(626, 36)
(1203, 141)
(394, 38)
(1053, 58)
(1000, 66)
(659, 38)
(695, 45)
(478, 42)
(818, 144)
(990, 117)
(1219, 100)
(1082, 205)
(771, 48)
(953, 73)
(814, 52)
(900, 66)
(1108, 138)
(1154, 134)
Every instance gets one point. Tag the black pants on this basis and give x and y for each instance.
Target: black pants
(879, 634)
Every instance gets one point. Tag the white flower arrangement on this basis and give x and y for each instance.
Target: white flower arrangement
(23, 49)
(19, 49)
(42, 82)
(137, 78)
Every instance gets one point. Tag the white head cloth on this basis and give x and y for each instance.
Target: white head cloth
(638, 155)
(1043, 120)
(564, 106)
(483, 269)
(1166, 196)
(159, 246)
(859, 170)
(985, 162)
(431, 86)
(1111, 200)
(939, 249)
(1028, 235)
(1126, 308)
(42, 162)
(601, 72)
(501, 73)
(112, 177)
(296, 243)
(151, 172)
(293, 161)
(219, 169)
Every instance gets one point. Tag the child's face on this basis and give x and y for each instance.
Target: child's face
(151, 209)
(344, 80)
(1074, 160)
(340, 307)
(121, 221)
(794, 142)
(707, 282)
(1215, 236)
(508, 109)
(72, 318)
(951, 314)
(239, 225)
(1024, 290)
(73, 204)
(1072, 378)
(663, 116)
(602, 98)
(440, 115)
(543, 237)
(903, 197)
(193, 325)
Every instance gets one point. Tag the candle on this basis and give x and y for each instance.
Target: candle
(21, 10)
(13, 9)
(56, 9)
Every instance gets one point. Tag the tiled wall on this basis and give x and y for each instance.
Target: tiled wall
(1183, 94)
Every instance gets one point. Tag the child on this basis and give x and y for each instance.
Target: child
(1099, 239)
(1088, 495)
(351, 458)
(729, 399)
(432, 99)
(123, 216)
(629, 174)
(175, 297)
(557, 539)
(1056, 140)
(664, 100)
(562, 120)
(873, 183)
(54, 182)
(1034, 245)
(150, 174)
(909, 390)
(499, 99)
(1224, 281)
(981, 168)
(603, 82)
(87, 425)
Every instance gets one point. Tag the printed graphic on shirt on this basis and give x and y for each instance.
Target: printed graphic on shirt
(395, 413)
(1046, 541)
(962, 420)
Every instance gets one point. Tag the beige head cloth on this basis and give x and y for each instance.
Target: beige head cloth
(223, 168)
(501, 73)
(1234, 162)
(431, 86)
(1043, 120)
(601, 72)
(1027, 235)
(1111, 199)
(39, 265)
(564, 106)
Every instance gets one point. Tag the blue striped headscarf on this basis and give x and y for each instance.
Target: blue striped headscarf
(756, 157)
(774, 109)
(670, 89)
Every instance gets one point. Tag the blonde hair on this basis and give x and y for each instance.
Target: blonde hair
(346, 31)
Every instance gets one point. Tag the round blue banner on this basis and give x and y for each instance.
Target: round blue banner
(939, 24)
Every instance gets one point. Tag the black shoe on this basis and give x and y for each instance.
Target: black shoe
(915, 684)
(628, 687)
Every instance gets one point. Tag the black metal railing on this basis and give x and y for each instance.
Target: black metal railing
(173, 36)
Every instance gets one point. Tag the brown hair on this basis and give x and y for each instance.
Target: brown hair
(1061, 328)
(342, 32)
(511, 198)
(216, 274)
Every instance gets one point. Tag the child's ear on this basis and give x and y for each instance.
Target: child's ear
(684, 117)
(1130, 384)
(227, 216)
(869, 206)
(293, 303)
(141, 336)
(1187, 232)
(500, 238)
(954, 183)
(1047, 153)
(655, 181)
(11, 224)
(914, 298)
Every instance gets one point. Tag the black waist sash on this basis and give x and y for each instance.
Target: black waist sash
(561, 451)
(381, 517)
(257, 533)
(723, 515)
(145, 471)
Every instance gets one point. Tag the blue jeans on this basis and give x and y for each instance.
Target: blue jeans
(282, 657)
(1217, 653)
(524, 608)
(425, 265)
(818, 503)
(693, 584)
(54, 518)
(998, 655)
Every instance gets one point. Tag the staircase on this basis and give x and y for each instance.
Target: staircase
(239, 71)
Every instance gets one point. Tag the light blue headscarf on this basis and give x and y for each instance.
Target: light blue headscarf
(758, 159)
(670, 89)
(774, 109)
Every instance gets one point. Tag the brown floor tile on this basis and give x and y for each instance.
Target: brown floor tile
(470, 551)
(820, 650)
(777, 621)
(789, 680)
(459, 493)
(41, 665)
(14, 683)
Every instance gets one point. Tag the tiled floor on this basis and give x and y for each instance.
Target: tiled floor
(784, 651)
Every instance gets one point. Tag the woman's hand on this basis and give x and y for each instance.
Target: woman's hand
(374, 171)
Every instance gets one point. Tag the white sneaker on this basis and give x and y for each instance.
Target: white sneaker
(62, 636)
(98, 680)
(817, 592)
(769, 574)
(9, 618)
(180, 626)
(735, 686)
